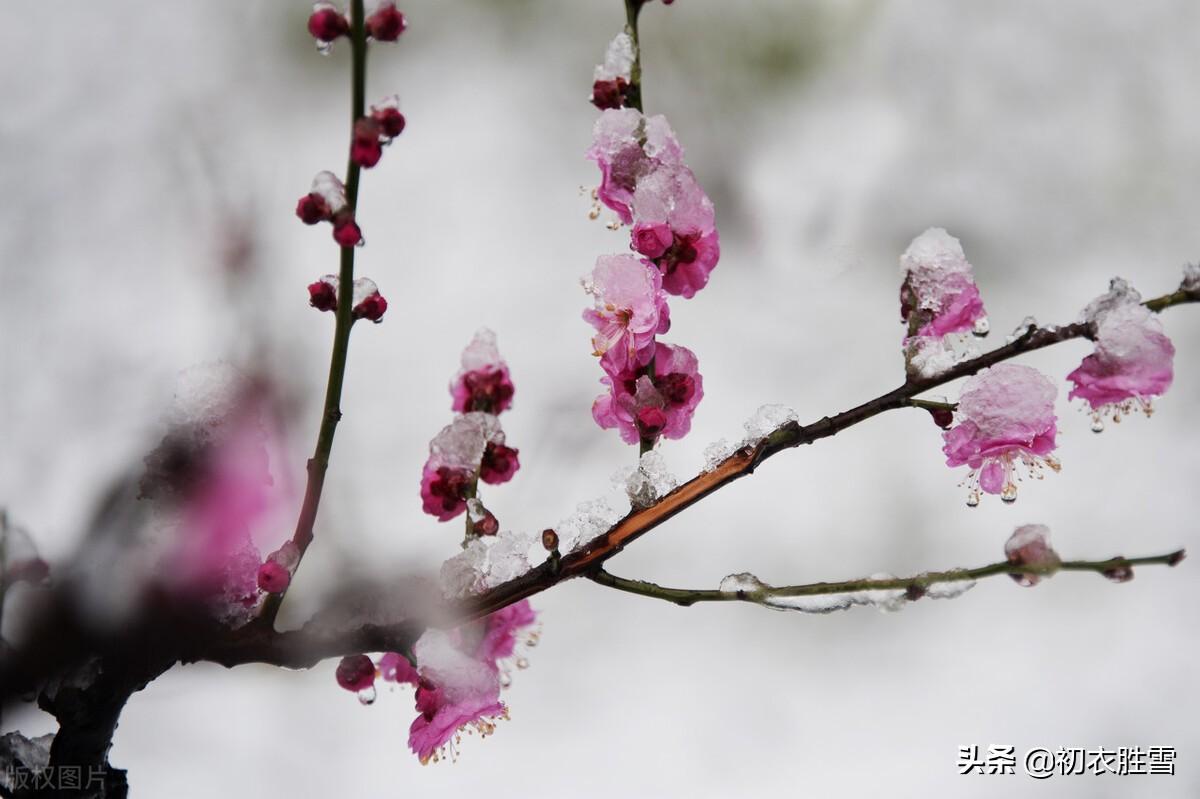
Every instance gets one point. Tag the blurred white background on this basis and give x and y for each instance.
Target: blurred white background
(143, 142)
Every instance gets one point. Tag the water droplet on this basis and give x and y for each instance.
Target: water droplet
(1024, 580)
(367, 695)
(1009, 492)
(972, 499)
(522, 663)
(533, 640)
(1097, 424)
(505, 679)
(981, 327)
(1119, 574)
(362, 242)
(324, 48)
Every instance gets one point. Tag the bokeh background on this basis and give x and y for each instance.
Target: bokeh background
(150, 158)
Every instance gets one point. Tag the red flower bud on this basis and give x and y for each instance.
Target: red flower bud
(322, 295)
(345, 230)
(386, 24)
(327, 24)
(373, 308)
(312, 209)
(391, 121)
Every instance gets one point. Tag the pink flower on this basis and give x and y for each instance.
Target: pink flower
(355, 673)
(1132, 363)
(611, 79)
(456, 690)
(312, 208)
(1029, 545)
(394, 667)
(938, 286)
(627, 147)
(322, 294)
(385, 24)
(642, 408)
(1005, 416)
(502, 632)
(273, 578)
(387, 114)
(454, 461)
(368, 302)
(365, 146)
(630, 310)
(674, 227)
(499, 464)
(483, 383)
(326, 23)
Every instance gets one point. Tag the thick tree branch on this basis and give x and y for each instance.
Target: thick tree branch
(914, 587)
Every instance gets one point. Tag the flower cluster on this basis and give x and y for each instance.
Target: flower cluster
(472, 447)
(366, 301)
(652, 388)
(383, 23)
(1133, 361)
(939, 302)
(457, 677)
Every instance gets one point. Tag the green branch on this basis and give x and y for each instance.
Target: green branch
(914, 587)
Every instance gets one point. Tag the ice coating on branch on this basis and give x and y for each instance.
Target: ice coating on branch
(1029, 545)
(766, 420)
(630, 309)
(675, 390)
(507, 558)
(627, 147)
(930, 356)
(483, 383)
(741, 583)
(488, 562)
(463, 574)
(590, 520)
(717, 452)
(618, 59)
(1119, 295)
(948, 590)
(675, 227)
(1191, 277)
(649, 482)
(1005, 417)
(1133, 363)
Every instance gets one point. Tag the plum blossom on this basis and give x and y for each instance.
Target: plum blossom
(483, 383)
(627, 147)
(1029, 545)
(1005, 417)
(1133, 359)
(674, 227)
(630, 310)
(448, 478)
(326, 24)
(938, 298)
(642, 407)
(612, 79)
(385, 23)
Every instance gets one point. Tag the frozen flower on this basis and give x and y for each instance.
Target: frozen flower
(939, 294)
(273, 578)
(345, 230)
(1132, 363)
(365, 146)
(394, 667)
(674, 227)
(643, 408)
(499, 464)
(312, 208)
(387, 114)
(630, 309)
(1029, 545)
(385, 24)
(455, 691)
(368, 302)
(503, 630)
(1005, 417)
(611, 80)
(322, 294)
(326, 24)
(627, 147)
(448, 478)
(355, 673)
(483, 383)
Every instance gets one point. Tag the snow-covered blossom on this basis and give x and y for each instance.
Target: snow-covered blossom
(368, 303)
(938, 298)
(326, 24)
(611, 79)
(1133, 361)
(455, 691)
(385, 23)
(1029, 545)
(387, 114)
(1191, 277)
(643, 408)
(627, 147)
(483, 383)
(365, 146)
(1005, 417)
(454, 457)
(675, 227)
(322, 294)
(630, 310)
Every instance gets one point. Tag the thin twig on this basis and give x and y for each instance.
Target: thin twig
(914, 587)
